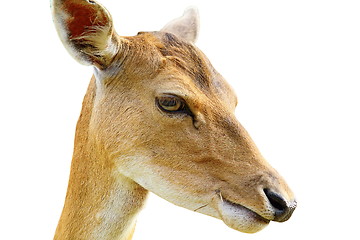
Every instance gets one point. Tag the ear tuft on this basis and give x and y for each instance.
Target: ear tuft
(86, 30)
(187, 26)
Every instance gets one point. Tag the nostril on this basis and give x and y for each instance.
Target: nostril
(276, 200)
(282, 210)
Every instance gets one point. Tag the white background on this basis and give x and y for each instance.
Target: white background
(295, 66)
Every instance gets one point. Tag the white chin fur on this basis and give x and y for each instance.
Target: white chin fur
(240, 218)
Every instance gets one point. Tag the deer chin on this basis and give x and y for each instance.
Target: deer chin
(239, 217)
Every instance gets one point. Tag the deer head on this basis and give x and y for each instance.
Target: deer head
(158, 116)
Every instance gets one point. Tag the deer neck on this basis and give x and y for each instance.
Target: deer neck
(100, 202)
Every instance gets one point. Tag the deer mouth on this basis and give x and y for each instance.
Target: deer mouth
(240, 217)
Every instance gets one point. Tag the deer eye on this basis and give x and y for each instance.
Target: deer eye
(171, 104)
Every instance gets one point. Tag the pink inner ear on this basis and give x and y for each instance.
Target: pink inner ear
(83, 17)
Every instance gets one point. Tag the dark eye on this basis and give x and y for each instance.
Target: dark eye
(171, 104)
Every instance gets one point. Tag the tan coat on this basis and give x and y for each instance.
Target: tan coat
(158, 117)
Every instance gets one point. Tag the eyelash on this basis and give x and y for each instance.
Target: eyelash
(173, 100)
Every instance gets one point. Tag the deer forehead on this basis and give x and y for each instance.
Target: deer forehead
(172, 63)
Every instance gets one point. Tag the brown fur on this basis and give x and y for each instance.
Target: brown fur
(125, 145)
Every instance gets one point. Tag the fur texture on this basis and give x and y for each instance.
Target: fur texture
(125, 145)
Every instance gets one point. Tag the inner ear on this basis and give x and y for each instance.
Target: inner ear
(86, 29)
(85, 17)
(186, 26)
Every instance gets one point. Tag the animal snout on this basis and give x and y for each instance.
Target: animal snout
(282, 208)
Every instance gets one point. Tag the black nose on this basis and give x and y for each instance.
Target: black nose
(282, 209)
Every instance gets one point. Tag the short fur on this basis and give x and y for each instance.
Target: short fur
(125, 145)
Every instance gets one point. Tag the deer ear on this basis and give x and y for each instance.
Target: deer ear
(86, 30)
(186, 26)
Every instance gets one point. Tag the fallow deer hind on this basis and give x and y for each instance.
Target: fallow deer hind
(158, 117)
